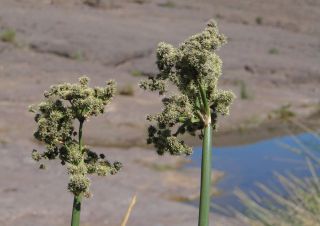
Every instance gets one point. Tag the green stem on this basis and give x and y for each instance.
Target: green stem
(76, 209)
(80, 134)
(204, 208)
(205, 190)
(204, 99)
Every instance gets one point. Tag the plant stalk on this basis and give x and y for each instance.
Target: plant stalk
(205, 193)
(76, 209)
(80, 134)
(205, 105)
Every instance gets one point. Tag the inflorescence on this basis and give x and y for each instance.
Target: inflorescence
(63, 105)
(194, 69)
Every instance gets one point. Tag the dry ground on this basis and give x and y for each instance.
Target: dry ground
(273, 51)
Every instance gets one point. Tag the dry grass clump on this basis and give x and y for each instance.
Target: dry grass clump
(300, 206)
(8, 35)
(126, 90)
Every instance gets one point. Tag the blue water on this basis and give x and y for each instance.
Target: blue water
(246, 165)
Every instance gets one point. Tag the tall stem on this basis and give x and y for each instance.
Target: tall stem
(75, 220)
(205, 193)
(76, 209)
(203, 97)
(80, 134)
(205, 190)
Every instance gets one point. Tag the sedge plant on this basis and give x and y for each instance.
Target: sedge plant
(60, 118)
(192, 70)
(296, 202)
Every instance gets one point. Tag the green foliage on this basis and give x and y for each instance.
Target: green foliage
(56, 116)
(101, 4)
(78, 55)
(259, 20)
(141, 2)
(283, 113)
(167, 4)
(136, 73)
(273, 51)
(194, 69)
(92, 3)
(244, 92)
(8, 35)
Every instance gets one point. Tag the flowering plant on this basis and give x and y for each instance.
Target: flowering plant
(193, 69)
(56, 117)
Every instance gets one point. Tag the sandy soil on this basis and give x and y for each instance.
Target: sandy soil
(274, 50)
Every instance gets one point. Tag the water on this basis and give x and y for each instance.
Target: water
(246, 165)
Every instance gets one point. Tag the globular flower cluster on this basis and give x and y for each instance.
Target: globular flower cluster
(194, 69)
(65, 107)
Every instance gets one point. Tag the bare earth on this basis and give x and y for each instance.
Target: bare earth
(274, 49)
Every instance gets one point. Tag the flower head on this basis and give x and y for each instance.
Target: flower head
(56, 117)
(194, 69)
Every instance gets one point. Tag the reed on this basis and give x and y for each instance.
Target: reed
(65, 106)
(193, 69)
